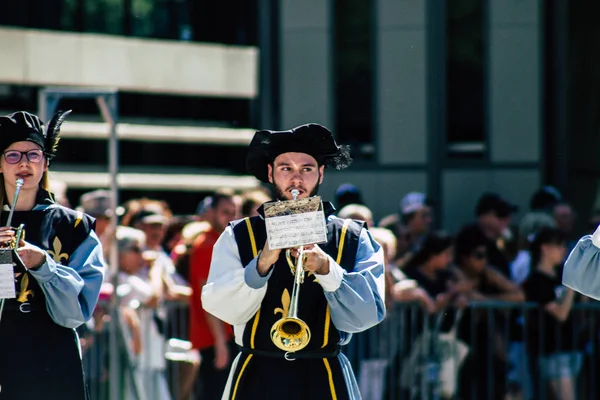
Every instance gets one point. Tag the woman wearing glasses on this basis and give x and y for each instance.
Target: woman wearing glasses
(59, 287)
(484, 282)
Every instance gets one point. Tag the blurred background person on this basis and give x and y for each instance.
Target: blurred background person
(416, 214)
(493, 215)
(210, 336)
(347, 193)
(557, 359)
(488, 342)
(252, 200)
(152, 217)
(358, 212)
(138, 299)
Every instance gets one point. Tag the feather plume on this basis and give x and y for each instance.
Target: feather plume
(53, 133)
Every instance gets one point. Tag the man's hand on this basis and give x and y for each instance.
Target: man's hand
(266, 259)
(315, 259)
(33, 257)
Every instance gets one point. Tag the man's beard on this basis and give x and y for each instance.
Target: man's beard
(280, 194)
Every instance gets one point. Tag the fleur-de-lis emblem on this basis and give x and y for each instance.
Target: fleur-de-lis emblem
(24, 293)
(285, 304)
(56, 251)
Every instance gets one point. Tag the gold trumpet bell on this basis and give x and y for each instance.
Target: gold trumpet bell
(290, 334)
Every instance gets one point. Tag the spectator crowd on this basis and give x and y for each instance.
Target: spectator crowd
(484, 306)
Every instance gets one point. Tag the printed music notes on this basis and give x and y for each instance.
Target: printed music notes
(293, 223)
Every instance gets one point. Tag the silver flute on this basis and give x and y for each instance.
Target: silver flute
(18, 186)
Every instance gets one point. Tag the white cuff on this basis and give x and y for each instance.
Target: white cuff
(333, 280)
(596, 237)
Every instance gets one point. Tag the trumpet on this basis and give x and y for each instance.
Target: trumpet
(290, 333)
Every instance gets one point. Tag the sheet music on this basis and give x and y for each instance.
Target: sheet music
(293, 223)
(296, 230)
(7, 282)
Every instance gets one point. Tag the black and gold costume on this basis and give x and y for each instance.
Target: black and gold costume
(348, 299)
(39, 349)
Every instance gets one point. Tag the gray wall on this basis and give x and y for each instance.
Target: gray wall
(400, 82)
(382, 190)
(462, 189)
(515, 77)
(305, 63)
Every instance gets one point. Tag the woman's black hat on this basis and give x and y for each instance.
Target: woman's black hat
(23, 126)
(312, 139)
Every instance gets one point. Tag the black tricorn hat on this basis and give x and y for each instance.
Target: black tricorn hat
(312, 139)
(23, 126)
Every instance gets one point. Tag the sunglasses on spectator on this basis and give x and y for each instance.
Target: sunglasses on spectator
(15, 156)
(135, 249)
(479, 255)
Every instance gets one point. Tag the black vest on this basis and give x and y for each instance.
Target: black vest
(59, 231)
(342, 244)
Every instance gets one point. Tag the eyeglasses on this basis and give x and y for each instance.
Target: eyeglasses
(15, 156)
(135, 249)
(479, 255)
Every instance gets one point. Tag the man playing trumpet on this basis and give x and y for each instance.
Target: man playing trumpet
(249, 285)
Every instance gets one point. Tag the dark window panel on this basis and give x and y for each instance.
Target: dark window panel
(232, 22)
(465, 100)
(353, 73)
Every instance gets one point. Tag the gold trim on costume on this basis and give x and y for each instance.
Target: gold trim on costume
(256, 316)
(342, 240)
(337, 260)
(255, 254)
(251, 234)
(79, 218)
(330, 376)
(326, 329)
(237, 382)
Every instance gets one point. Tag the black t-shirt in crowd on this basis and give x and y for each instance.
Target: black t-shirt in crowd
(545, 333)
(498, 259)
(434, 287)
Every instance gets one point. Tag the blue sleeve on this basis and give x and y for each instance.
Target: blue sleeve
(72, 291)
(356, 299)
(253, 278)
(582, 268)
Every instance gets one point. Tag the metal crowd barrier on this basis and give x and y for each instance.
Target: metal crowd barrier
(488, 350)
(133, 385)
(497, 350)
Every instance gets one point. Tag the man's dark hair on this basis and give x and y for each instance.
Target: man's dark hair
(545, 236)
(468, 239)
(434, 243)
(220, 195)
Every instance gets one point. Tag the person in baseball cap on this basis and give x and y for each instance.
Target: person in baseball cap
(416, 215)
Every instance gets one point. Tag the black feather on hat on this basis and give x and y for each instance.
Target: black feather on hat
(23, 126)
(312, 139)
(53, 133)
